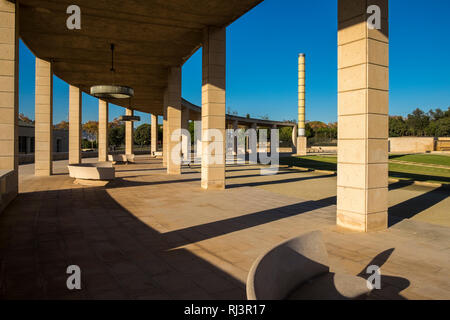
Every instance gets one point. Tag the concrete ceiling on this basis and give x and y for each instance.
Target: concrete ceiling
(149, 36)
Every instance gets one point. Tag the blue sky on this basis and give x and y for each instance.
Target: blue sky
(262, 49)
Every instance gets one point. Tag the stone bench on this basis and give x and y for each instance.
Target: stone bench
(8, 187)
(298, 269)
(125, 158)
(98, 174)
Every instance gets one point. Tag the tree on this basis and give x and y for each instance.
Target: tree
(25, 119)
(142, 134)
(285, 134)
(397, 127)
(443, 127)
(315, 125)
(115, 123)
(417, 122)
(116, 135)
(62, 125)
(309, 132)
(192, 131)
(90, 131)
(436, 115)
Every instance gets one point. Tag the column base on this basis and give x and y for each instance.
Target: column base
(213, 185)
(174, 171)
(362, 222)
(74, 161)
(42, 173)
(301, 146)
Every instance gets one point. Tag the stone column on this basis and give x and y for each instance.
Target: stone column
(75, 106)
(165, 127)
(247, 140)
(9, 96)
(363, 103)
(43, 154)
(255, 127)
(129, 134)
(154, 135)
(185, 139)
(235, 137)
(174, 121)
(213, 108)
(102, 140)
(301, 138)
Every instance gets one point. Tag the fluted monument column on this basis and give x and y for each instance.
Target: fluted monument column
(301, 138)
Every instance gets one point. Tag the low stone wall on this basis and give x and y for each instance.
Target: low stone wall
(8, 187)
(443, 144)
(324, 149)
(411, 144)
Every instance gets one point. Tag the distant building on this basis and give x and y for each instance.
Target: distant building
(27, 143)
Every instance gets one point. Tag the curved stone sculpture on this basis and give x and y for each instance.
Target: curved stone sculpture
(298, 269)
(99, 173)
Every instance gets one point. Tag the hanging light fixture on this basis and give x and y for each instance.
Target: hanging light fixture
(112, 91)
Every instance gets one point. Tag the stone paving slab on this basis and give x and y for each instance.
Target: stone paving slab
(153, 236)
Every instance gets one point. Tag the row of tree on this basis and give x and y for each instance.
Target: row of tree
(434, 123)
(116, 134)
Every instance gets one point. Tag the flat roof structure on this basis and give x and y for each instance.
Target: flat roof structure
(149, 37)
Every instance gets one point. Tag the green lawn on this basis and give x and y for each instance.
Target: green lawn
(423, 158)
(396, 170)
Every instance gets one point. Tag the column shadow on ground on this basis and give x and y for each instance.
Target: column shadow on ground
(411, 207)
(120, 257)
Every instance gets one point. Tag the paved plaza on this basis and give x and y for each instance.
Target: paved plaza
(137, 238)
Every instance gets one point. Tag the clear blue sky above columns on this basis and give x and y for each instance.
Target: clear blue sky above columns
(262, 49)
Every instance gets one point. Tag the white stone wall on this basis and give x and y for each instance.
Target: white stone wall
(411, 144)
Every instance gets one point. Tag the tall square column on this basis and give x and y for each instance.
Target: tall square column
(363, 103)
(235, 137)
(213, 108)
(43, 155)
(129, 141)
(174, 121)
(165, 127)
(185, 150)
(75, 106)
(154, 134)
(9, 96)
(103, 114)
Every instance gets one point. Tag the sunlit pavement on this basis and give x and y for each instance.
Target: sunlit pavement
(149, 235)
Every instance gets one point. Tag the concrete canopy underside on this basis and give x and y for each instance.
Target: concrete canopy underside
(149, 37)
